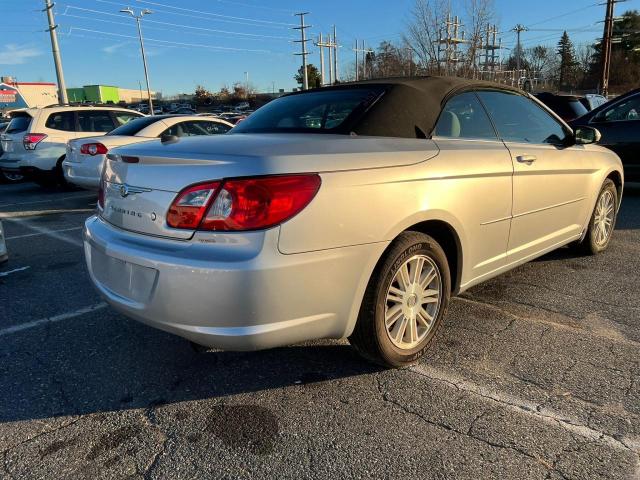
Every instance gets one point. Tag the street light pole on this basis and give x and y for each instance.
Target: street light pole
(144, 12)
(62, 88)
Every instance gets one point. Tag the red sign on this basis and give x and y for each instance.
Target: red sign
(8, 96)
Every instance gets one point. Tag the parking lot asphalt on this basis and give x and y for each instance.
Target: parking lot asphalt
(536, 374)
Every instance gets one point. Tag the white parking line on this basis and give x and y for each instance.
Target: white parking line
(56, 318)
(526, 407)
(38, 213)
(43, 233)
(47, 201)
(4, 274)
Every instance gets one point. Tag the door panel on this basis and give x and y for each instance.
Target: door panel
(550, 180)
(550, 191)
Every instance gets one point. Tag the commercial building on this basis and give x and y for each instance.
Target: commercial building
(14, 94)
(107, 94)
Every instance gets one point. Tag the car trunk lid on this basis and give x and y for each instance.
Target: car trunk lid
(142, 180)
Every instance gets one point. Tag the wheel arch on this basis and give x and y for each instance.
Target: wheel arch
(447, 237)
(616, 177)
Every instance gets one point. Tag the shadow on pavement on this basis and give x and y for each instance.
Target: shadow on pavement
(105, 363)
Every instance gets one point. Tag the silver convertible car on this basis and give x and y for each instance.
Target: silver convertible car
(349, 211)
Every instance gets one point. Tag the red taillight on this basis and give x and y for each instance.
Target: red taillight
(187, 209)
(245, 204)
(93, 149)
(31, 140)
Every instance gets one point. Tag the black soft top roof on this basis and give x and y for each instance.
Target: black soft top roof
(410, 107)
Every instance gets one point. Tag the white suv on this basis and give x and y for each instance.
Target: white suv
(35, 141)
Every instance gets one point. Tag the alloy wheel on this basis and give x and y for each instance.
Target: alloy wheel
(604, 218)
(412, 302)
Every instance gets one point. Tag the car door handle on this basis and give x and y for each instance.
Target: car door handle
(528, 159)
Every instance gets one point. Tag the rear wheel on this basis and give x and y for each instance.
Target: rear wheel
(59, 173)
(404, 303)
(603, 221)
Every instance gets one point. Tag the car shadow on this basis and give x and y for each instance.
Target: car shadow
(111, 364)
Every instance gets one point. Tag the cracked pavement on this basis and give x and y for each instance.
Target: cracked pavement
(535, 375)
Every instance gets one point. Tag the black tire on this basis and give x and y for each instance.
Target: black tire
(370, 337)
(59, 173)
(10, 177)
(590, 245)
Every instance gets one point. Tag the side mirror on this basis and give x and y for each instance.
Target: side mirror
(586, 135)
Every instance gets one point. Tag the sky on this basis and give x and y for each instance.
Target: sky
(214, 42)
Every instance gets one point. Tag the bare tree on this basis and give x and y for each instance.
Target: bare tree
(427, 28)
(424, 31)
(479, 15)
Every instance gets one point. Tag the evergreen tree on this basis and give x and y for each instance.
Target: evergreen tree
(313, 76)
(568, 63)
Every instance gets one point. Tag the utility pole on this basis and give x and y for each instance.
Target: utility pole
(335, 54)
(144, 12)
(364, 52)
(62, 88)
(519, 29)
(320, 45)
(606, 48)
(357, 65)
(331, 70)
(303, 41)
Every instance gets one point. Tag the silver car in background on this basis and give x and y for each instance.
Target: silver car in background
(351, 211)
(82, 165)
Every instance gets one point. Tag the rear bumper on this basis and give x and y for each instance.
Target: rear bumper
(83, 174)
(229, 291)
(42, 159)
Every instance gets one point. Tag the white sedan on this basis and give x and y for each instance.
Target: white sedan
(85, 156)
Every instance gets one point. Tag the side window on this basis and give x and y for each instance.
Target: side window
(464, 117)
(123, 117)
(626, 110)
(179, 130)
(519, 119)
(62, 121)
(95, 121)
(210, 128)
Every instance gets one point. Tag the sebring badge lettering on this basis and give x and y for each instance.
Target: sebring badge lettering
(125, 211)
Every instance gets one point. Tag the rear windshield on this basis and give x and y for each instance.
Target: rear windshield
(134, 126)
(19, 124)
(328, 111)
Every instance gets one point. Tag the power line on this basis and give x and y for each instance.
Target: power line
(199, 17)
(201, 12)
(226, 32)
(168, 42)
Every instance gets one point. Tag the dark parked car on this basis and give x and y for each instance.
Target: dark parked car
(619, 123)
(567, 107)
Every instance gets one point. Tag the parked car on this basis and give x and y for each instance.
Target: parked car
(361, 225)
(85, 156)
(35, 141)
(592, 100)
(7, 177)
(619, 123)
(184, 111)
(567, 107)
